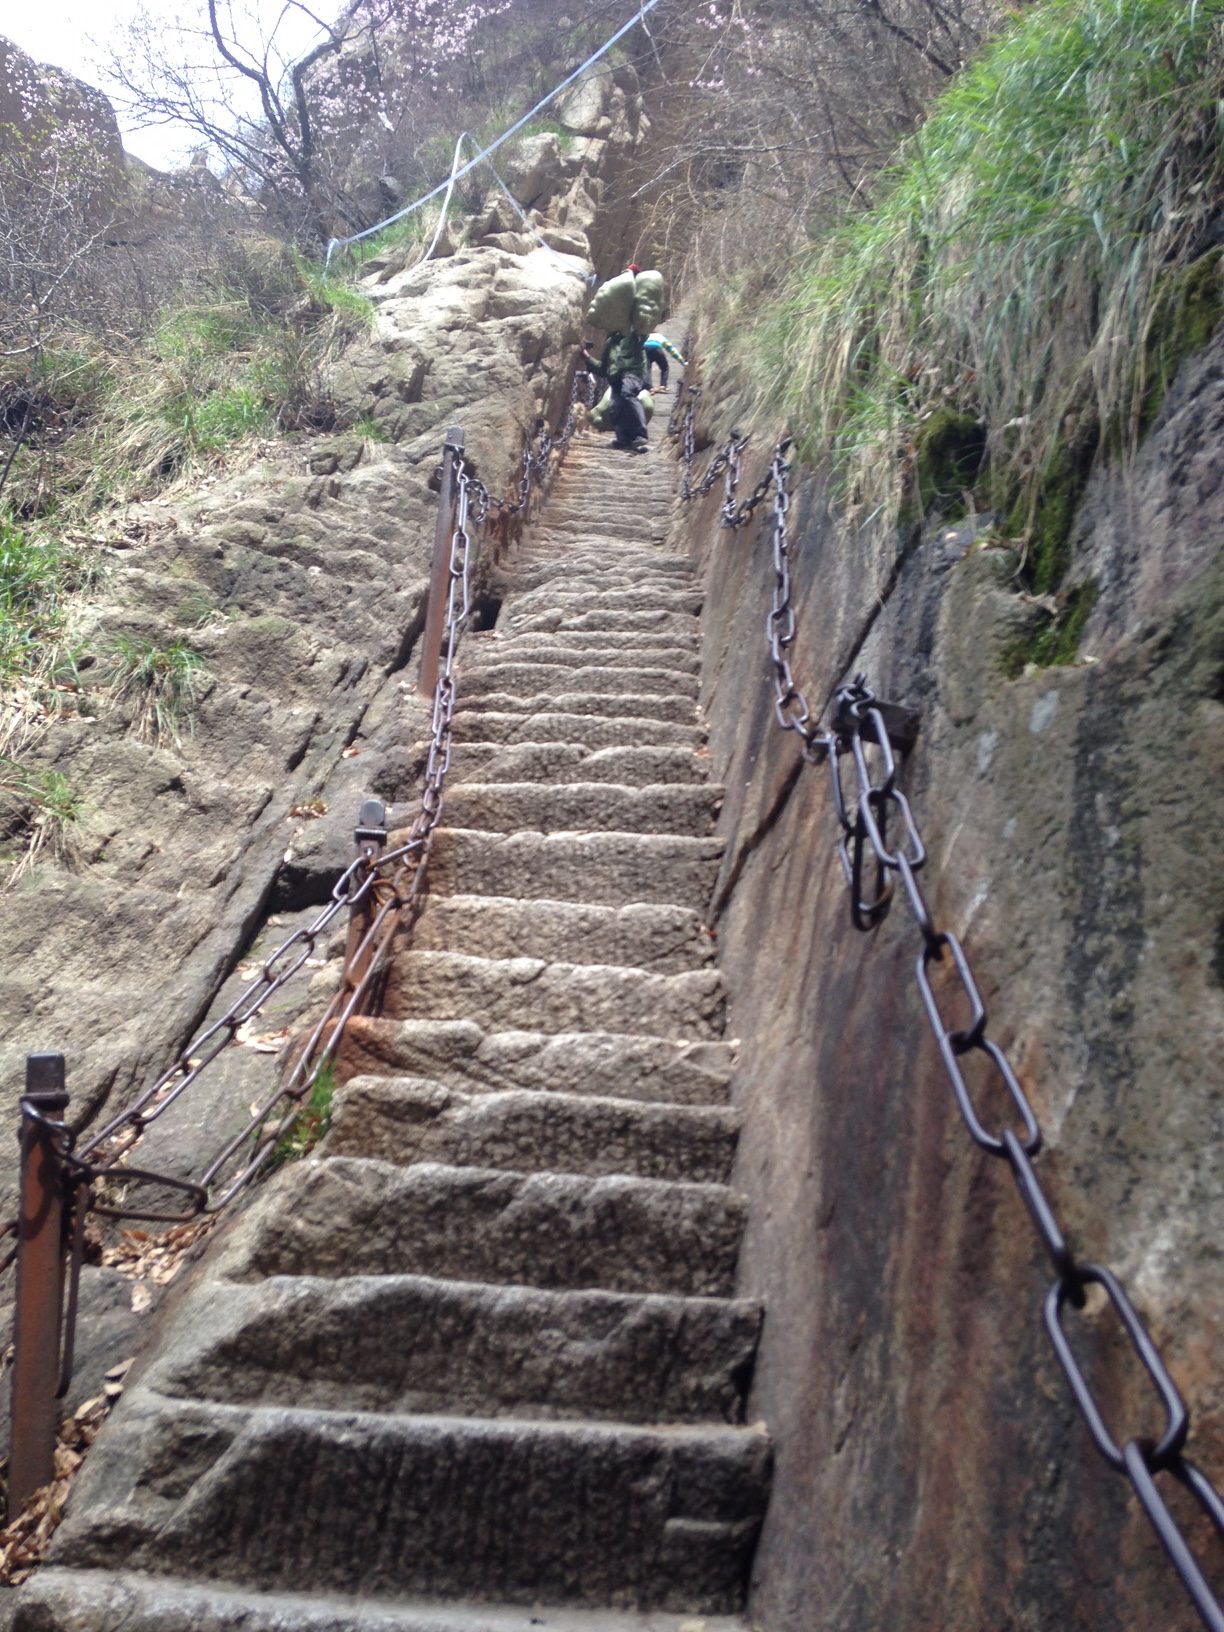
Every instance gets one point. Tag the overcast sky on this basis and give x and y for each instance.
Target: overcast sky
(62, 31)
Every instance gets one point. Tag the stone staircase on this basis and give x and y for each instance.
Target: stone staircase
(479, 1366)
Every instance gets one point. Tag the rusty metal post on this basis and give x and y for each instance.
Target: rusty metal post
(40, 1277)
(439, 572)
(370, 837)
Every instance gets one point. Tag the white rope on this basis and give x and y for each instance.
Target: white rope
(458, 175)
(450, 187)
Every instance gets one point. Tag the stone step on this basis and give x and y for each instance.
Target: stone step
(502, 1509)
(609, 1065)
(525, 679)
(592, 807)
(646, 538)
(572, 762)
(583, 618)
(635, 704)
(550, 553)
(614, 1234)
(621, 598)
(552, 997)
(629, 491)
(600, 642)
(59, 1600)
(411, 1119)
(591, 569)
(618, 504)
(407, 1343)
(547, 652)
(591, 730)
(607, 869)
(666, 939)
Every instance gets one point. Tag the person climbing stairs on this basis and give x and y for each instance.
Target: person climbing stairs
(478, 1364)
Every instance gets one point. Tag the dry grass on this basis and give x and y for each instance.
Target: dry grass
(1018, 256)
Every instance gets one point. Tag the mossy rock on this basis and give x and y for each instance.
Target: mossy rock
(1055, 639)
(1047, 513)
(1186, 314)
(339, 455)
(947, 459)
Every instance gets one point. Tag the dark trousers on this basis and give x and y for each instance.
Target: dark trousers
(656, 357)
(628, 415)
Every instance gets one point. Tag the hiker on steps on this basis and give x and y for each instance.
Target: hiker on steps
(658, 349)
(623, 365)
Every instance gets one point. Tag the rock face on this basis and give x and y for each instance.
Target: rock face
(299, 584)
(931, 1471)
(497, 1313)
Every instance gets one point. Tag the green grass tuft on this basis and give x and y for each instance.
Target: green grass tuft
(312, 1122)
(50, 812)
(162, 681)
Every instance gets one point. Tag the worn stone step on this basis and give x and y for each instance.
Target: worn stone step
(608, 514)
(633, 702)
(565, 762)
(540, 678)
(411, 1344)
(608, 869)
(614, 1065)
(667, 939)
(507, 1510)
(623, 598)
(59, 1600)
(412, 1119)
(593, 807)
(545, 651)
(629, 492)
(552, 997)
(616, 1233)
(599, 562)
(599, 642)
(592, 730)
(591, 569)
(572, 537)
(612, 609)
(583, 618)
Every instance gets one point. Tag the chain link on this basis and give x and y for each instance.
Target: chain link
(859, 733)
(538, 449)
(727, 462)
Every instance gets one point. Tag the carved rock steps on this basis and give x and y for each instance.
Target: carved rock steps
(479, 1365)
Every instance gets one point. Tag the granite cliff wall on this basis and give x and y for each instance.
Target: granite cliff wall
(931, 1471)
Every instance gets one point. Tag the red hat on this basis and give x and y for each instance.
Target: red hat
(633, 267)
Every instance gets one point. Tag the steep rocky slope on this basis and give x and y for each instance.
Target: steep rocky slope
(299, 583)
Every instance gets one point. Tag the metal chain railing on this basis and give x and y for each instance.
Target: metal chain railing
(727, 462)
(864, 731)
(538, 449)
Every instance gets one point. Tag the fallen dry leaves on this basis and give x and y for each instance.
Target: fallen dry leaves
(265, 1042)
(152, 1258)
(24, 1540)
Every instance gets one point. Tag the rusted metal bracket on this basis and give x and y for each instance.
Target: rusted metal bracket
(900, 723)
(439, 572)
(40, 1281)
(370, 837)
